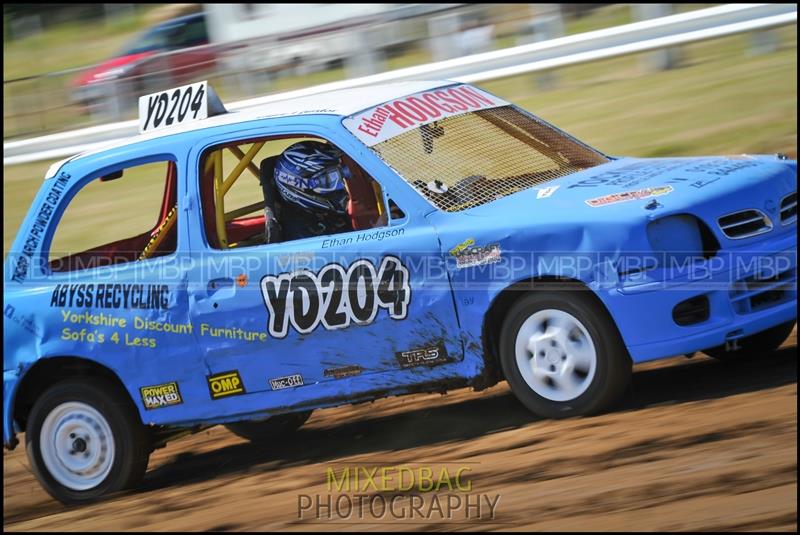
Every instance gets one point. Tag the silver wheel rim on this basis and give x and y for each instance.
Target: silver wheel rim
(555, 355)
(77, 445)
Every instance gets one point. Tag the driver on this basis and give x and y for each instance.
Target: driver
(311, 180)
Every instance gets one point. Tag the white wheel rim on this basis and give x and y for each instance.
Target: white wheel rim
(555, 355)
(77, 445)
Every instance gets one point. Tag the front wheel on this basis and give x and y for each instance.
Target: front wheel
(84, 440)
(562, 355)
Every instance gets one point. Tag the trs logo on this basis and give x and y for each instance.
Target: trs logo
(225, 384)
(426, 356)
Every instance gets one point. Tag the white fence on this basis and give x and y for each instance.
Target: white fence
(590, 46)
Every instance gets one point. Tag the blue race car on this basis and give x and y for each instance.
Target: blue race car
(476, 243)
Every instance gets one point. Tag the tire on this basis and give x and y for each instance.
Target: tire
(562, 355)
(259, 431)
(77, 415)
(754, 346)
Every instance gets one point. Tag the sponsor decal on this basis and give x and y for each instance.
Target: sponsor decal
(225, 384)
(286, 382)
(625, 196)
(40, 223)
(158, 396)
(124, 296)
(461, 246)
(393, 118)
(631, 175)
(467, 254)
(344, 371)
(544, 193)
(336, 296)
(424, 356)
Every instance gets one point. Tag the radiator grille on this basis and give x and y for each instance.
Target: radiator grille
(744, 224)
(789, 209)
(474, 158)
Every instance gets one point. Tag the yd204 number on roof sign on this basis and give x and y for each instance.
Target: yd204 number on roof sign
(173, 107)
(335, 297)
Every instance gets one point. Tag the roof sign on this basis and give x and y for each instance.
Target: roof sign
(179, 105)
(393, 118)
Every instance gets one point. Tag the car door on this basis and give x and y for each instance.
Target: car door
(315, 310)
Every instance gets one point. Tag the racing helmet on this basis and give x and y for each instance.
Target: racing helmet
(310, 174)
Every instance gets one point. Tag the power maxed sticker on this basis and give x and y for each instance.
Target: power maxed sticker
(158, 396)
(225, 384)
(336, 297)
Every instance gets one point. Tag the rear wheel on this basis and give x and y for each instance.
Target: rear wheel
(84, 440)
(562, 354)
(271, 428)
(755, 346)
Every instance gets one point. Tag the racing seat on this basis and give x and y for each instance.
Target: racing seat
(364, 206)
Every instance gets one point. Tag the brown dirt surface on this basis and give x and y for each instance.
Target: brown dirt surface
(696, 445)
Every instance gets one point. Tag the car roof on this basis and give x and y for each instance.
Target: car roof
(342, 103)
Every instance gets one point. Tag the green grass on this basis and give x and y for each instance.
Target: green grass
(69, 45)
(720, 101)
(81, 43)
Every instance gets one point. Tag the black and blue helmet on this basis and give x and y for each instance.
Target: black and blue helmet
(310, 174)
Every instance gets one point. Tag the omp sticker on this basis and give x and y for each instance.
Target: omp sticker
(335, 297)
(286, 382)
(625, 196)
(225, 384)
(544, 193)
(424, 356)
(157, 396)
(393, 118)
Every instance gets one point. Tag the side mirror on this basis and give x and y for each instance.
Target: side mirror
(111, 176)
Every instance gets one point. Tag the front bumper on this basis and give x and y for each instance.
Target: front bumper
(739, 304)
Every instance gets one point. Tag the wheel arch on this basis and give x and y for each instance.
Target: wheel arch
(505, 299)
(48, 371)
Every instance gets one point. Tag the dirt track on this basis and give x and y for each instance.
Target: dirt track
(697, 445)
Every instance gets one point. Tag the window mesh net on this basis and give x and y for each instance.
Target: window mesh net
(474, 158)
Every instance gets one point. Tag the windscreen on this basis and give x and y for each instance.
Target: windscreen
(466, 160)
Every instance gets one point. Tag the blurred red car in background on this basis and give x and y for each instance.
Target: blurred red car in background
(170, 53)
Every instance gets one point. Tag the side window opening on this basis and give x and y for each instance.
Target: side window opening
(321, 191)
(124, 216)
(395, 211)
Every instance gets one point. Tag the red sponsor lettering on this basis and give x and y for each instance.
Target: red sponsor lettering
(432, 99)
(425, 107)
(409, 110)
(466, 99)
(475, 94)
(373, 133)
(457, 104)
(397, 117)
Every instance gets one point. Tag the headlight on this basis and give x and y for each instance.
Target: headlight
(680, 240)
